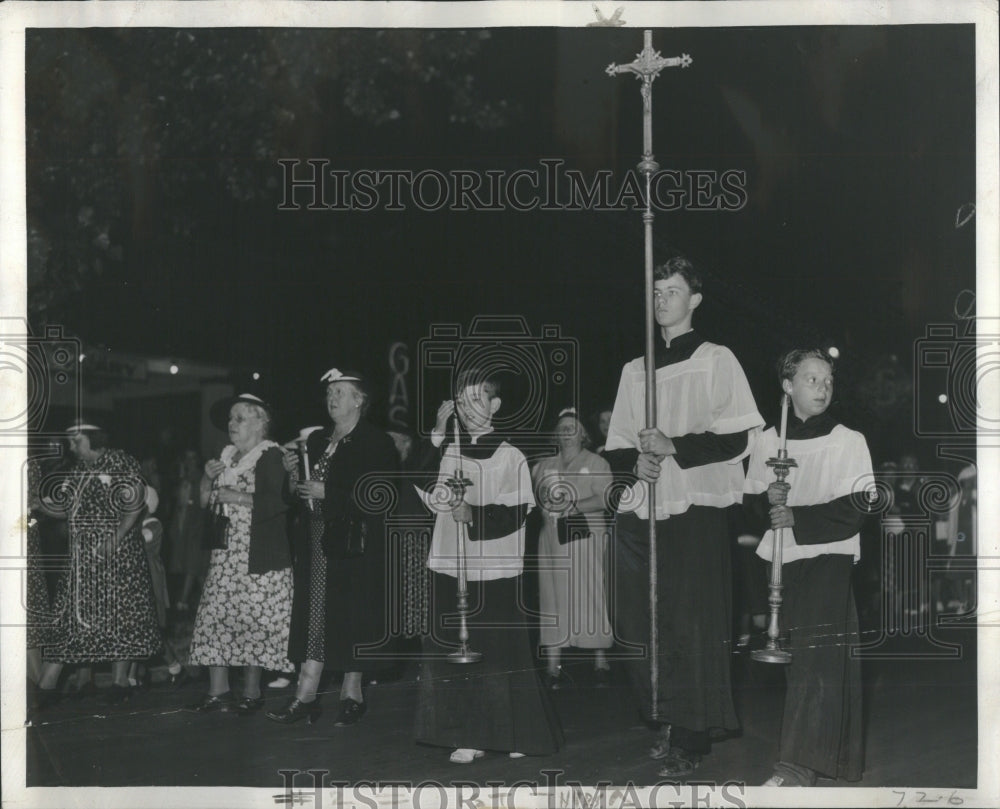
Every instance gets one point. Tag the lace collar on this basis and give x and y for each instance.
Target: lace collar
(247, 462)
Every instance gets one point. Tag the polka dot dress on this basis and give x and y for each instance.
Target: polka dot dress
(37, 601)
(316, 642)
(104, 604)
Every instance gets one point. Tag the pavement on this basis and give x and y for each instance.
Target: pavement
(921, 726)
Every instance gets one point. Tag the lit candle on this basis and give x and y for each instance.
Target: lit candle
(458, 447)
(782, 439)
(305, 469)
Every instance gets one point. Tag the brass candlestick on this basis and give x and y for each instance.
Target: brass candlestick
(772, 653)
(459, 484)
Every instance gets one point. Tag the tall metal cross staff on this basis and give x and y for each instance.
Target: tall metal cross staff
(646, 67)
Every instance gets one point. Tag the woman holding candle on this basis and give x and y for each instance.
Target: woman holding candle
(818, 513)
(339, 616)
(244, 611)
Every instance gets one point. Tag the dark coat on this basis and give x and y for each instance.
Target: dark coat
(269, 549)
(356, 588)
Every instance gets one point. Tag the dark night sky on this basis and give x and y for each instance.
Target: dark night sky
(858, 143)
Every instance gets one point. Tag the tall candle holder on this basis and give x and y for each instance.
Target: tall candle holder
(459, 484)
(782, 465)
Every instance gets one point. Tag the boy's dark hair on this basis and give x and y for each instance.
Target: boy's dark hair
(471, 377)
(678, 264)
(790, 362)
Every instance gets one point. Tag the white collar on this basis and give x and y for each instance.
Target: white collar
(248, 461)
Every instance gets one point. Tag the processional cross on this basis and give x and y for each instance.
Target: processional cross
(646, 67)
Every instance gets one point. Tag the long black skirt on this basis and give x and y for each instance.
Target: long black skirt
(821, 725)
(497, 703)
(694, 611)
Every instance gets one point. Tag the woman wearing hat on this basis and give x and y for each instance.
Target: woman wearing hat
(104, 605)
(339, 619)
(571, 578)
(245, 608)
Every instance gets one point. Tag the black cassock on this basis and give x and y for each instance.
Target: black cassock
(497, 703)
(705, 406)
(821, 725)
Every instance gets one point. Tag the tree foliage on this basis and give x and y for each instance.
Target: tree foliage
(135, 134)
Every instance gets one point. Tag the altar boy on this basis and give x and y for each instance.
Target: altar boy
(821, 508)
(497, 703)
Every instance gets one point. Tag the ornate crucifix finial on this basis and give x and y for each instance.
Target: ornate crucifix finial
(646, 67)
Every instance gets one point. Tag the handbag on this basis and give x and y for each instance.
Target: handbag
(216, 528)
(346, 537)
(569, 529)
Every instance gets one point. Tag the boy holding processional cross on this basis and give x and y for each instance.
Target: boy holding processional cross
(692, 457)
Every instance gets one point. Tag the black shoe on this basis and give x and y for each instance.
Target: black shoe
(117, 694)
(296, 710)
(223, 702)
(247, 705)
(350, 712)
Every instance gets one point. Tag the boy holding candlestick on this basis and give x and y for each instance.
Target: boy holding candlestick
(820, 509)
(496, 703)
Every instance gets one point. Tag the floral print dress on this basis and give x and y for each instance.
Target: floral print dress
(243, 618)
